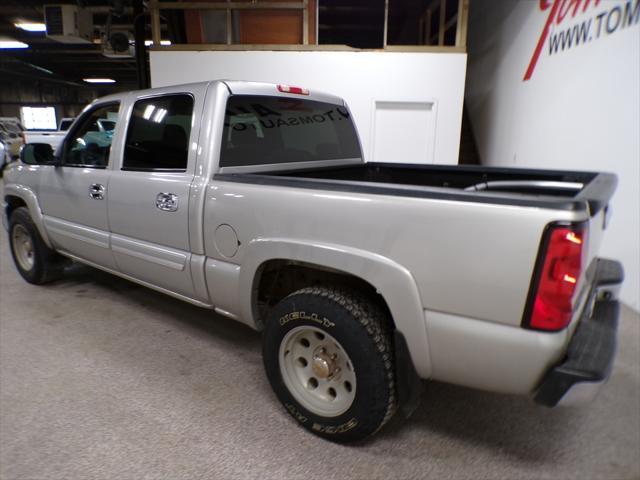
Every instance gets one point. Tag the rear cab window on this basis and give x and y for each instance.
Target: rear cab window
(263, 130)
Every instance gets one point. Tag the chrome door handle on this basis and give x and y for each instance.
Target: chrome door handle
(167, 202)
(96, 191)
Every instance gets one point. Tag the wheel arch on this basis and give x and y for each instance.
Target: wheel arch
(11, 202)
(278, 277)
(374, 273)
(21, 196)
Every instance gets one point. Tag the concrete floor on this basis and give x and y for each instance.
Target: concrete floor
(103, 379)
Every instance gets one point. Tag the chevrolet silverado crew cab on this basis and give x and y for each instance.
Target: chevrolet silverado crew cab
(254, 200)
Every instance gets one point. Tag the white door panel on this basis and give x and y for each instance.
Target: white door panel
(149, 190)
(165, 257)
(161, 266)
(77, 222)
(404, 132)
(133, 211)
(73, 195)
(83, 242)
(149, 243)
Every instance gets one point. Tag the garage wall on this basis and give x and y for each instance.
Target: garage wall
(68, 101)
(412, 100)
(576, 107)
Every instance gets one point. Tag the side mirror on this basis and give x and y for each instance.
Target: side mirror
(38, 154)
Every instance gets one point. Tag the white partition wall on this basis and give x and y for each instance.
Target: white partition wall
(412, 101)
(557, 85)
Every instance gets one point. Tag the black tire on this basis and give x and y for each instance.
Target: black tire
(47, 264)
(362, 329)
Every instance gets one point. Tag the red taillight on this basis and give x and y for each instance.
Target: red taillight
(556, 279)
(296, 90)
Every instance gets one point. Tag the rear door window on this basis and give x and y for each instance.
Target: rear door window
(158, 134)
(262, 130)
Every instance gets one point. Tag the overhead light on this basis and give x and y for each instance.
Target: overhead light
(4, 43)
(99, 80)
(31, 26)
(162, 42)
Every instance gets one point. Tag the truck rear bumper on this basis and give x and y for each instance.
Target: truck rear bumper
(592, 349)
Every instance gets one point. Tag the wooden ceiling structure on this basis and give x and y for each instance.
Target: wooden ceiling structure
(408, 25)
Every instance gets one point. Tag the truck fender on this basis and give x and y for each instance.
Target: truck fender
(392, 281)
(29, 197)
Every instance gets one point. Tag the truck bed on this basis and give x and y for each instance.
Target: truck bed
(514, 186)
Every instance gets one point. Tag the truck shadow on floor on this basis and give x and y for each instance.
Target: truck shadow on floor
(185, 314)
(505, 425)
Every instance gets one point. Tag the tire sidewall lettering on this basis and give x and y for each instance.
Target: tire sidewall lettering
(296, 413)
(304, 316)
(333, 429)
(318, 427)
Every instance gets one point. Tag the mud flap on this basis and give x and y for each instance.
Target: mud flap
(408, 382)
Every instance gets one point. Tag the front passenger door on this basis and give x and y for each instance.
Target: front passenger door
(73, 195)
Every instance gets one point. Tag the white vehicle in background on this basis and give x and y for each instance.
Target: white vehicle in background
(65, 123)
(12, 134)
(51, 137)
(5, 157)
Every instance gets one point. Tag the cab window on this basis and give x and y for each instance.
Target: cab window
(158, 134)
(89, 145)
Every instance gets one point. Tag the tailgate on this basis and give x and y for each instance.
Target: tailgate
(565, 267)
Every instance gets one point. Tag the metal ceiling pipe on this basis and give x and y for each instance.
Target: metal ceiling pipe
(140, 49)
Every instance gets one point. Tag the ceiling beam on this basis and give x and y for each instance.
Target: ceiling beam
(55, 51)
(39, 10)
(98, 59)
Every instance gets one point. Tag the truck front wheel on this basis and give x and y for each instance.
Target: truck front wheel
(328, 356)
(35, 262)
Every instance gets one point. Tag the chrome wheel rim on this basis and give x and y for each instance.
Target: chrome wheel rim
(23, 247)
(317, 371)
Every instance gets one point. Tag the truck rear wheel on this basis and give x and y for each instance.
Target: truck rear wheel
(328, 356)
(35, 262)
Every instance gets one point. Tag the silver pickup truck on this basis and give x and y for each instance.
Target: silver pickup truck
(253, 200)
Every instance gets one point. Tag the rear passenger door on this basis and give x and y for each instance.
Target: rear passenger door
(149, 192)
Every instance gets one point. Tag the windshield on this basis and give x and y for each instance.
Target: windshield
(262, 130)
